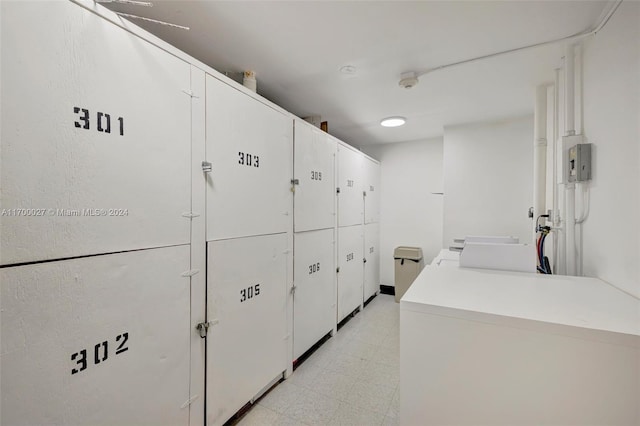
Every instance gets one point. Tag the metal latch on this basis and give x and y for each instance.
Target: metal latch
(337, 269)
(206, 167)
(364, 193)
(293, 289)
(337, 190)
(364, 260)
(295, 181)
(203, 327)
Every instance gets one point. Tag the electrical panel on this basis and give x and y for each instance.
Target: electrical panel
(579, 162)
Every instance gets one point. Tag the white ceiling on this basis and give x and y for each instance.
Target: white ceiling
(297, 49)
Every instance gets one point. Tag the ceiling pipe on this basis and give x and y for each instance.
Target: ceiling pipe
(155, 21)
(131, 2)
(554, 143)
(569, 91)
(570, 188)
(572, 38)
(539, 156)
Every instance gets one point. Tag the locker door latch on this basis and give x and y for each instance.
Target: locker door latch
(364, 260)
(293, 289)
(203, 327)
(206, 167)
(295, 181)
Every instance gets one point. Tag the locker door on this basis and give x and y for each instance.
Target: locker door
(250, 147)
(314, 167)
(101, 340)
(314, 300)
(95, 154)
(246, 301)
(351, 275)
(372, 190)
(350, 204)
(372, 265)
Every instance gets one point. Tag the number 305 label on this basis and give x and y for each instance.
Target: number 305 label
(249, 292)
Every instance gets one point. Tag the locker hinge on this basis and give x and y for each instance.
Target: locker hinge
(203, 327)
(337, 190)
(189, 401)
(337, 269)
(190, 93)
(190, 215)
(190, 273)
(206, 167)
(295, 181)
(293, 289)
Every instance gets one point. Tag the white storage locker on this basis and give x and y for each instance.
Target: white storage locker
(371, 174)
(351, 275)
(314, 169)
(250, 147)
(101, 340)
(314, 299)
(350, 204)
(96, 130)
(372, 255)
(247, 297)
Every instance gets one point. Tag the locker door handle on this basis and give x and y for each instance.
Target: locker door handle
(203, 327)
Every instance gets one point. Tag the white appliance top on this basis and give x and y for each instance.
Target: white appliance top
(577, 306)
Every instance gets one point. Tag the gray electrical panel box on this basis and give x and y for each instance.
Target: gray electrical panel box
(579, 162)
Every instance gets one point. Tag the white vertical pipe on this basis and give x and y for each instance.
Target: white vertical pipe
(569, 90)
(578, 89)
(554, 143)
(570, 188)
(539, 154)
(570, 201)
(556, 134)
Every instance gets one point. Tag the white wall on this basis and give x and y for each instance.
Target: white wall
(611, 234)
(488, 179)
(409, 214)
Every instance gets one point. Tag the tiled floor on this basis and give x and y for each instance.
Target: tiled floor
(352, 379)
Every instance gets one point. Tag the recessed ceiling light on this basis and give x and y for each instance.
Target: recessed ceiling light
(393, 121)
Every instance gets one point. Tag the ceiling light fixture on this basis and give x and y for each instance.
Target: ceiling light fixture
(393, 121)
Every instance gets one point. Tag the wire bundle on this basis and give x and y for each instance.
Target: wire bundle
(543, 261)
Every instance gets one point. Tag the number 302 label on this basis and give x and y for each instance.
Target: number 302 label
(100, 353)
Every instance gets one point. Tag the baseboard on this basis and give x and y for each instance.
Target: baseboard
(387, 289)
